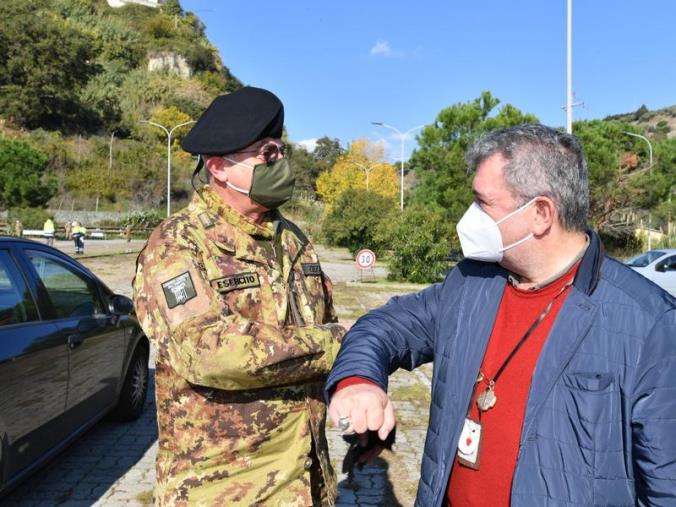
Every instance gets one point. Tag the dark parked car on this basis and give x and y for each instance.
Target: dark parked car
(70, 353)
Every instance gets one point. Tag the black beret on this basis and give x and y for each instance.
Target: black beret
(235, 121)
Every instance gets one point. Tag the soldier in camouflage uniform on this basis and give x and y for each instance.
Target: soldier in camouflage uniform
(234, 298)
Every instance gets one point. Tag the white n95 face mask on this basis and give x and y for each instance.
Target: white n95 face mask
(480, 236)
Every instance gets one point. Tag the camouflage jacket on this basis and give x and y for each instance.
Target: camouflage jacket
(242, 317)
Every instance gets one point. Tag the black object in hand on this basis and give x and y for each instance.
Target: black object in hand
(355, 451)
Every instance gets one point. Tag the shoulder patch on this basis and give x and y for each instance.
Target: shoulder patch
(179, 290)
(206, 220)
(311, 269)
(239, 281)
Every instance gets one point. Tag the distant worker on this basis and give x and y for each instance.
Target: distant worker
(127, 236)
(79, 233)
(69, 231)
(48, 231)
(18, 229)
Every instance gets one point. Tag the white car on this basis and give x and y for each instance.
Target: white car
(658, 266)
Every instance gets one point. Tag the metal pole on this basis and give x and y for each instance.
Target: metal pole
(168, 132)
(569, 68)
(110, 153)
(650, 172)
(169, 174)
(402, 137)
(366, 170)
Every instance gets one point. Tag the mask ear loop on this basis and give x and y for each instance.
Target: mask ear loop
(523, 240)
(196, 174)
(518, 210)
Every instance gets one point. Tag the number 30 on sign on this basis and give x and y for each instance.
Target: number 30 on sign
(365, 258)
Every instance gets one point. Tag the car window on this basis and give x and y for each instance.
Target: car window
(669, 263)
(643, 260)
(71, 293)
(16, 302)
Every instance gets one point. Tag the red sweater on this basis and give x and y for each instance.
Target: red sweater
(501, 425)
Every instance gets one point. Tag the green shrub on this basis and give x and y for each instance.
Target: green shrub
(420, 239)
(145, 218)
(23, 178)
(31, 218)
(354, 219)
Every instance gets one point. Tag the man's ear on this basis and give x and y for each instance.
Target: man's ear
(217, 168)
(545, 215)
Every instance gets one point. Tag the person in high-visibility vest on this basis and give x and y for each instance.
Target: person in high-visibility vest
(48, 231)
(79, 233)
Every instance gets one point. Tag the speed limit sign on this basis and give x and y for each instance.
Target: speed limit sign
(365, 258)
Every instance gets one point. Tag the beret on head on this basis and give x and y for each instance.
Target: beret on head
(235, 121)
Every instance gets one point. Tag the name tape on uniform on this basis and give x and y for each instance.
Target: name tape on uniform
(179, 290)
(238, 281)
(311, 269)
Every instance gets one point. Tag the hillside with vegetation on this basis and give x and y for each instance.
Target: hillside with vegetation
(658, 123)
(80, 80)
(77, 78)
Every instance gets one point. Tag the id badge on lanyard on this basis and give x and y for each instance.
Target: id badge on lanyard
(469, 444)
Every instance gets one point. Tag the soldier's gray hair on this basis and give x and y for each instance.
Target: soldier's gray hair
(541, 161)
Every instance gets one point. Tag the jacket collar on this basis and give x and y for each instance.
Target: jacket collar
(589, 272)
(220, 221)
(218, 209)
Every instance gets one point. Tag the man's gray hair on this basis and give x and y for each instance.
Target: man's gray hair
(541, 161)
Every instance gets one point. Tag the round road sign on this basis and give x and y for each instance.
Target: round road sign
(365, 258)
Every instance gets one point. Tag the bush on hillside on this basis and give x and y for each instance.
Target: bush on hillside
(145, 218)
(354, 219)
(23, 179)
(31, 218)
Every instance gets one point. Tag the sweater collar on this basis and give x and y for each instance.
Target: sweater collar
(589, 272)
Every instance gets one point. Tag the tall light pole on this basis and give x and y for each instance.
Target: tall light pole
(569, 68)
(366, 170)
(168, 132)
(110, 153)
(650, 171)
(402, 137)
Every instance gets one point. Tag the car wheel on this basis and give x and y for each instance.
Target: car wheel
(134, 389)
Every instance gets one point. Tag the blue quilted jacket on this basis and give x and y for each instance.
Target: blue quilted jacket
(600, 421)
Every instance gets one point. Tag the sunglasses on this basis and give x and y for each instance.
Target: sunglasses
(269, 151)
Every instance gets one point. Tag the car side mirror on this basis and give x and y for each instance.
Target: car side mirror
(121, 305)
(662, 267)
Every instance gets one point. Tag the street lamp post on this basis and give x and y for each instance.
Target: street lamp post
(168, 132)
(110, 153)
(569, 67)
(366, 170)
(650, 171)
(402, 137)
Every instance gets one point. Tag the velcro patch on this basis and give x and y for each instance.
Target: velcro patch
(179, 290)
(311, 269)
(206, 220)
(238, 281)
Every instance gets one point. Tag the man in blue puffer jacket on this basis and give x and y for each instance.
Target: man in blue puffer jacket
(554, 365)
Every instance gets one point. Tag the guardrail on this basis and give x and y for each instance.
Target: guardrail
(92, 233)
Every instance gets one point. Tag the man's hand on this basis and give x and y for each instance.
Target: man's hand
(367, 407)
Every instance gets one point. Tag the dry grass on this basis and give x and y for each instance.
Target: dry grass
(145, 497)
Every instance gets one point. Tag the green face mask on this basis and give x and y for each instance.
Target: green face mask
(271, 185)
